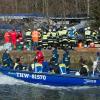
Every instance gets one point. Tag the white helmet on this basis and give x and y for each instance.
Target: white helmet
(44, 32)
(49, 30)
(85, 29)
(65, 27)
(54, 30)
(88, 28)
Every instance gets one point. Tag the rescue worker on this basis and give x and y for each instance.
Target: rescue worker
(7, 37)
(19, 35)
(50, 39)
(40, 37)
(45, 40)
(18, 64)
(98, 58)
(55, 56)
(94, 34)
(64, 37)
(54, 60)
(72, 42)
(71, 32)
(28, 38)
(87, 32)
(66, 58)
(84, 69)
(72, 38)
(54, 37)
(88, 36)
(6, 59)
(39, 58)
(38, 61)
(13, 38)
(28, 35)
(35, 38)
(60, 38)
(96, 64)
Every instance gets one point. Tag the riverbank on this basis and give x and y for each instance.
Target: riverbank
(88, 54)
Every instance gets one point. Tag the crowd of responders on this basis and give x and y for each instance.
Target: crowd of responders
(60, 37)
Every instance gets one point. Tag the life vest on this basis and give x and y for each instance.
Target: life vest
(38, 67)
(28, 33)
(62, 68)
(45, 36)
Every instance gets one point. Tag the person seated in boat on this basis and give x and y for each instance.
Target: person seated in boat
(18, 64)
(54, 69)
(95, 64)
(7, 60)
(55, 56)
(66, 59)
(54, 60)
(98, 58)
(38, 61)
(39, 58)
(84, 69)
(81, 60)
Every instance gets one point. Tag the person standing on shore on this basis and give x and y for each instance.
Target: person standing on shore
(13, 38)
(35, 38)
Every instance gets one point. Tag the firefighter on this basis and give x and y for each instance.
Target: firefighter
(64, 37)
(35, 38)
(50, 39)
(45, 40)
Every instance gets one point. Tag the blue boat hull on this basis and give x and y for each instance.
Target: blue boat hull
(52, 79)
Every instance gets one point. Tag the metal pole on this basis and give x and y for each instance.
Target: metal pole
(88, 8)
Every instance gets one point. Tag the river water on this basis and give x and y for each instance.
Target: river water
(13, 89)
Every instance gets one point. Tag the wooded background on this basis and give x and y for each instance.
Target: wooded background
(48, 7)
(57, 8)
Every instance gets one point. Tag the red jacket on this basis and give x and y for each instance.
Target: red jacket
(13, 37)
(39, 57)
(7, 37)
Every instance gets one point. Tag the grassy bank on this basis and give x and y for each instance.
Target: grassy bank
(74, 55)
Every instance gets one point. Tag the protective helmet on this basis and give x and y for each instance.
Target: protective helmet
(88, 28)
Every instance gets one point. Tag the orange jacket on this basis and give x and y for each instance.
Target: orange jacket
(35, 36)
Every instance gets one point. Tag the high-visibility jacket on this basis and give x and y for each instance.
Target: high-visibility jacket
(35, 36)
(45, 36)
(64, 32)
(60, 33)
(87, 32)
(28, 33)
(54, 34)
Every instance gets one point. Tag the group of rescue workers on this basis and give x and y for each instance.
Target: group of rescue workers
(61, 37)
(53, 39)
